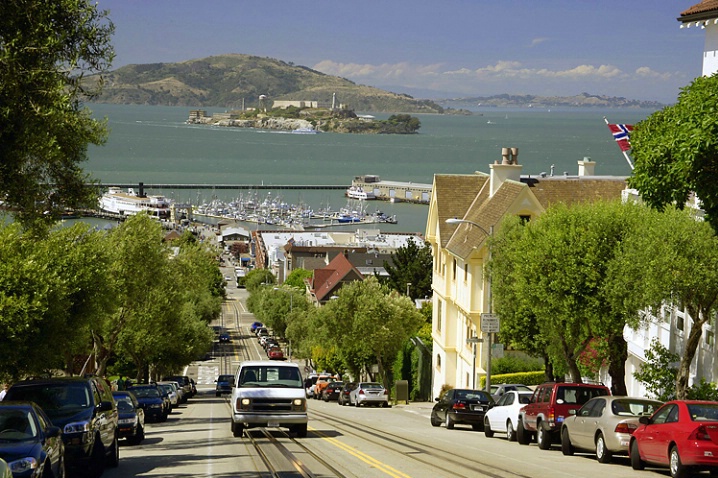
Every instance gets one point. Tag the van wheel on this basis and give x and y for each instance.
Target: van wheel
(237, 430)
(301, 431)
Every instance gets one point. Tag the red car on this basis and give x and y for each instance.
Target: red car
(682, 435)
(275, 353)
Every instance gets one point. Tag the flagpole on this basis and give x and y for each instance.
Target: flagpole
(625, 154)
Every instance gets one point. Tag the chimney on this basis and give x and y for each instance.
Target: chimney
(508, 169)
(142, 190)
(586, 167)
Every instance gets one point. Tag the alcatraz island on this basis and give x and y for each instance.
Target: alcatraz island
(307, 117)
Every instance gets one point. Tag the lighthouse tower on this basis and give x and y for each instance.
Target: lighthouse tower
(705, 15)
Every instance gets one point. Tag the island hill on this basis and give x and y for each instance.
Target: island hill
(234, 81)
(308, 117)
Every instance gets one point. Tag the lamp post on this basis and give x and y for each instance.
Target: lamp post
(408, 285)
(291, 309)
(489, 233)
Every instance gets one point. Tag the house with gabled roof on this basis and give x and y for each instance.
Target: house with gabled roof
(461, 290)
(326, 281)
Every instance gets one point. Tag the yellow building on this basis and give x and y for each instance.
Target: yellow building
(461, 292)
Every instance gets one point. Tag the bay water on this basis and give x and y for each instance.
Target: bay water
(153, 144)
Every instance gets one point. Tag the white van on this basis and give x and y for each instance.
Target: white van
(269, 394)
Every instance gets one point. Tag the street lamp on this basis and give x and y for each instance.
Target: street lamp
(408, 285)
(291, 309)
(490, 233)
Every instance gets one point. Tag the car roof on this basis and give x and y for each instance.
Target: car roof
(267, 363)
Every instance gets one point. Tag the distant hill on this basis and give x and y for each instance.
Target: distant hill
(226, 80)
(533, 101)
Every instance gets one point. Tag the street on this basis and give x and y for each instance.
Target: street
(363, 442)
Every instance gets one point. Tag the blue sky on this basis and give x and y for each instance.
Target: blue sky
(433, 48)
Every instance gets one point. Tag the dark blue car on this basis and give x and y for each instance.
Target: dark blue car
(29, 442)
(151, 400)
(131, 422)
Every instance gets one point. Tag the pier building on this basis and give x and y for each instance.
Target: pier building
(395, 191)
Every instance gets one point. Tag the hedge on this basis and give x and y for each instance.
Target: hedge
(527, 378)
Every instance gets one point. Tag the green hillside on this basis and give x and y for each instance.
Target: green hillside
(226, 80)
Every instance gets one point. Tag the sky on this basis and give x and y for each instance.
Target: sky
(433, 48)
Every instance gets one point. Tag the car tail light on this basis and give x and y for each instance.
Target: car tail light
(700, 433)
(386, 392)
(551, 415)
(626, 428)
(361, 392)
(459, 406)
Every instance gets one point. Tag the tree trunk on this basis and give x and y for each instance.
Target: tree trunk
(618, 354)
(548, 369)
(684, 369)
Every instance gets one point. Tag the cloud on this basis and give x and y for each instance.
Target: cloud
(501, 73)
(537, 41)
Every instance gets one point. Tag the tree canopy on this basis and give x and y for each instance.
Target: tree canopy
(676, 152)
(45, 50)
(411, 266)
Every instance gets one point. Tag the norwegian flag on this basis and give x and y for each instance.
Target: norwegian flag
(621, 133)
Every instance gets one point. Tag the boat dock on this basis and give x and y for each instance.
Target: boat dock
(394, 191)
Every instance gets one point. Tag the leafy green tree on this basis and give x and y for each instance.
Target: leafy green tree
(658, 372)
(672, 259)
(675, 151)
(411, 264)
(45, 49)
(257, 278)
(297, 276)
(51, 288)
(368, 324)
(556, 268)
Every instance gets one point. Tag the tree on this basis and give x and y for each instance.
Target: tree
(672, 260)
(257, 278)
(297, 276)
(368, 324)
(411, 264)
(45, 50)
(557, 268)
(675, 151)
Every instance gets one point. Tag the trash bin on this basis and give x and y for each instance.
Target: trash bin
(402, 391)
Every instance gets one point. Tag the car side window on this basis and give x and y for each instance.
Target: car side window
(673, 415)
(598, 407)
(509, 399)
(586, 410)
(96, 393)
(447, 396)
(661, 415)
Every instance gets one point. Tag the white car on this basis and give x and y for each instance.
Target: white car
(504, 416)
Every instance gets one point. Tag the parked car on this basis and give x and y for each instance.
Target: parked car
(179, 390)
(261, 332)
(184, 382)
(224, 338)
(275, 353)
(331, 392)
(309, 384)
(150, 398)
(224, 384)
(255, 325)
(604, 425)
(131, 421)
(498, 390)
(84, 409)
(461, 406)
(504, 416)
(169, 390)
(682, 435)
(344, 394)
(30, 444)
(323, 380)
(550, 405)
(369, 393)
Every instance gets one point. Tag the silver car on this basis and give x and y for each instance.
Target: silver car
(369, 393)
(604, 425)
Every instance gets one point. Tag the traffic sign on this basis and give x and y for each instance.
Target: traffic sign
(490, 323)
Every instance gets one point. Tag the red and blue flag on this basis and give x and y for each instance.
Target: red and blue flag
(621, 133)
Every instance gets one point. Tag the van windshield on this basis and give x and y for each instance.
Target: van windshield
(270, 376)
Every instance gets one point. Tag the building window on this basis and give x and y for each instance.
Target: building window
(453, 269)
(524, 218)
(467, 379)
(679, 322)
(439, 307)
(466, 272)
(438, 362)
(369, 262)
(709, 338)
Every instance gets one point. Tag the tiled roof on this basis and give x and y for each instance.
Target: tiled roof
(575, 189)
(454, 194)
(338, 270)
(701, 10)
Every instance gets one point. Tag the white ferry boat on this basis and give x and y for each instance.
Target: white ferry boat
(128, 203)
(356, 192)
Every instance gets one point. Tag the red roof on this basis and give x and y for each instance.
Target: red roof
(701, 10)
(329, 278)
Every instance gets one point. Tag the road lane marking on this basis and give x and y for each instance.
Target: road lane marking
(361, 456)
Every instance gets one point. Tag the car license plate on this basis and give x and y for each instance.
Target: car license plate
(273, 424)
(477, 408)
